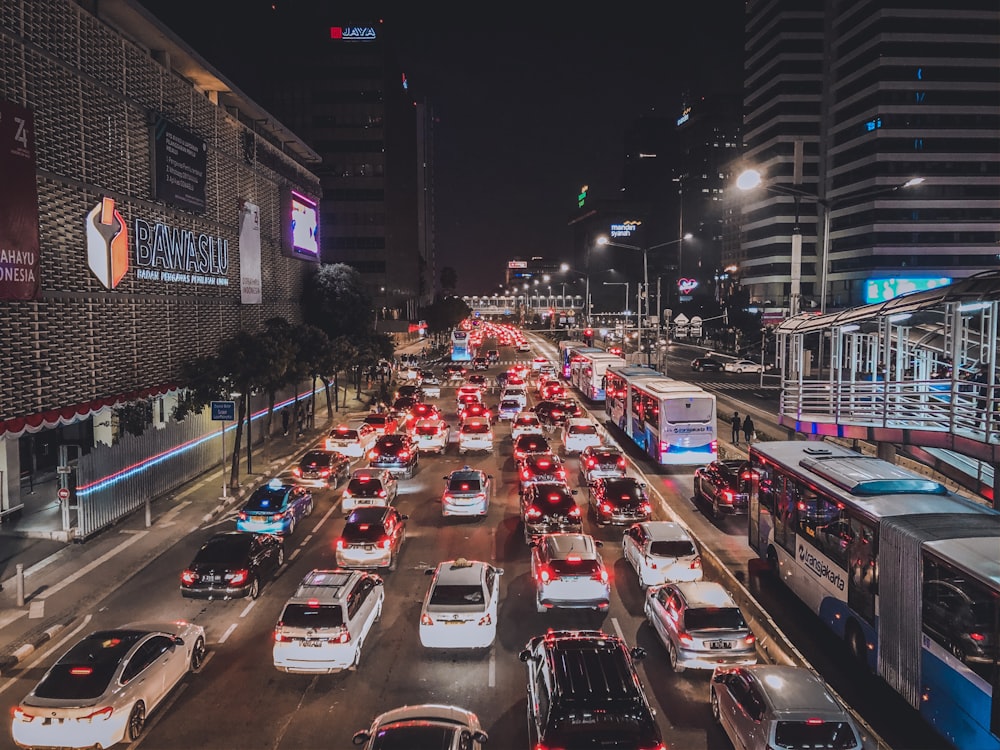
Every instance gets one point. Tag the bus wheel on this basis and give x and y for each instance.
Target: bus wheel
(772, 561)
(857, 644)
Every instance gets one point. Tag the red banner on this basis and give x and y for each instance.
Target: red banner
(19, 245)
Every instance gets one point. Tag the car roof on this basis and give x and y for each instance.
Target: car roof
(369, 472)
(530, 415)
(369, 514)
(460, 572)
(566, 543)
(325, 585)
(798, 687)
(700, 594)
(665, 531)
(466, 473)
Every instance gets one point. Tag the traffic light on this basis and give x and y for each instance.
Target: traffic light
(588, 336)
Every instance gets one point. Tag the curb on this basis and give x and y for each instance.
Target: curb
(25, 650)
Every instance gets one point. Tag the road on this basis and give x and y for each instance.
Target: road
(238, 700)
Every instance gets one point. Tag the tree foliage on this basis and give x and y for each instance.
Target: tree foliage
(335, 300)
(444, 314)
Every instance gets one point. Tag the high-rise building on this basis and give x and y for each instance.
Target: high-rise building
(845, 103)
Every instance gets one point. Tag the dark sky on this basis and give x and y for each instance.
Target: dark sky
(533, 101)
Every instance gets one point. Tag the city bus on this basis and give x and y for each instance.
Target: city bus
(905, 571)
(567, 350)
(461, 350)
(672, 421)
(588, 370)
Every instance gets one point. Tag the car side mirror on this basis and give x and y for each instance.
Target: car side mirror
(533, 543)
(642, 485)
(178, 641)
(480, 736)
(524, 656)
(428, 571)
(638, 652)
(498, 571)
(403, 516)
(360, 738)
(598, 543)
(574, 491)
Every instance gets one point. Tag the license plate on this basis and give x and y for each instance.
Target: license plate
(720, 644)
(369, 548)
(312, 643)
(454, 622)
(211, 579)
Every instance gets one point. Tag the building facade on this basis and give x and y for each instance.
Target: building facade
(845, 103)
(154, 212)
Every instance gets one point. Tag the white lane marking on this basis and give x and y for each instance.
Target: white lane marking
(308, 537)
(229, 632)
(294, 553)
(90, 566)
(492, 682)
(617, 627)
(246, 609)
(55, 646)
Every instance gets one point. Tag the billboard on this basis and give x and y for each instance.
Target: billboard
(882, 290)
(300, 227)
(180, 160)
(250, 279)
(19, 244)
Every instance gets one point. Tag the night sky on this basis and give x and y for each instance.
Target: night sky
(533, 101)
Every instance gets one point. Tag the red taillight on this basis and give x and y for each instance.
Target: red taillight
(381, 493)
(403, 455)
(343, 637)
(814, 722)
(590, 462)
(696, 563)
(340, 544)
(277, 516)
(242, 516)
(546, 574)
(750, 639)
(385, 543)
(977, 637)
(280, 637)
(425, 619)
(188, 577)
(372, 455)
(81, 671)
(606, 508)
(728, 496)
(324, 472)
(486, 619)
(561, 473)
(715, 446)
(297, 471)
(525, 474)
(238, 577)
(601, 575)
(646, 508)
(685, 637)
(20, 714)
(532, 512)
(575, 513)
(621, 462)
(664, 446)
(101, 713)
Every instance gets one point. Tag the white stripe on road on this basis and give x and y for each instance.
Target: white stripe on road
(58, 645)
(617, 628)
(246, 609)
(229, 632)
(90, 566)
(492, 682)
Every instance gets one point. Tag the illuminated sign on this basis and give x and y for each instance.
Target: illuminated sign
(305, 225)
(685, 116)
(165, 253)
(353, 33)
(880, 290)
(686, 286)
(107, 243)
(582, 197)
(625, 229)
(517, 264)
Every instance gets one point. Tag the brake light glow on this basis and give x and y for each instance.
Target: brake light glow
(381, 493)
(606, 508)
(696, 563)
(715, 446)
(532, 512)
(188, 577)
(750, 639)
(486, 619)
(646, 508)
(20, 714)
(729, 496)
(102, 713)
(685, 637)
(242, 516)
(546, 574)
(324, 473)
(277, 516)
(297, 471)
(343, 637)
(573, 558)
(814, 722)
(238, 577)
(279, 636)
(601, 575)
(425, 619)
(385, 543)
(977, 637)
(575, 513)
(340, 544)
(81, 671)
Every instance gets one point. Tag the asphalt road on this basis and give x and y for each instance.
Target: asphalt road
(238, 699)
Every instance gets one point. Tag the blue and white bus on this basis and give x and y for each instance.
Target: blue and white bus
(461, 350)
(672, 421)
(904, 570)
(588, 370)
(566, 352)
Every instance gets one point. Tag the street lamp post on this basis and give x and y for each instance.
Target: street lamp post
(751, 179)
(624, 309)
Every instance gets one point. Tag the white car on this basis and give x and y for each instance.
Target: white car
(578, 434)
(101, 691)
(431, 386)
(427, 725)
(475, 434)
(537, 362)
(431, 435)
(525, 423)
(351, 441)
(460, 609)
(743, 365)
(568, 572)
(661, 552)
(524, 346)
(516, 392)
(326, 621)
(467, 493)
(369, 487)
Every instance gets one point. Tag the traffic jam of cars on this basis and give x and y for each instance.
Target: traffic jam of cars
(363, 466)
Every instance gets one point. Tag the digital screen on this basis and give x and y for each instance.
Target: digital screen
(881, 290)
(305, 226)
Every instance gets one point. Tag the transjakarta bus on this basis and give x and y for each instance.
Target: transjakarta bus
(905, 571)
(673, 422)
(587, 374)
(566, 351)
(460, 349)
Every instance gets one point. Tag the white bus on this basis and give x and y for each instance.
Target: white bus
(567, 349)
(904, 570)
(672, 421)
(587, 372)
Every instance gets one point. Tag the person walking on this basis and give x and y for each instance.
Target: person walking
(748, 431)
(735, 422)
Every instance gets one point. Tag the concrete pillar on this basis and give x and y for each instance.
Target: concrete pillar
(10, 472)
(887, 452)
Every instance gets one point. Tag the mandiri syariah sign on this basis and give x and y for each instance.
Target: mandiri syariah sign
(19, 245)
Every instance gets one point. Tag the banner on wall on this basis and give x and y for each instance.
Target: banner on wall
(19, 244)
(180, 163)
(250, 280)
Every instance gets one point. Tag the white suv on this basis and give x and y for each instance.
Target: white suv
(526, 422)
(516, 392)
(326, 621)
(568, 572)
(475, 435)
(578, 434)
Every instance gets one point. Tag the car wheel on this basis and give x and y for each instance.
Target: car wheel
(291, 527)
(716, 716)
(716, 511)
(254, 591)
(674, 658)
(539, 607)
(281, 557)
(198, 654)
(309, 508)
(857, 645)
(136, 721)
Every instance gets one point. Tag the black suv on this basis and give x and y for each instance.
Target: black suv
(553, 413)
(583, 691)
(397, 453)
(706, 364)
(322, 468)
(480, 363)
(529, 443)
(549, 507)
(619, 500)
(231, 565)
(719, 485)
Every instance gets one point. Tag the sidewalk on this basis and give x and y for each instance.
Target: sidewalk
(63, 580)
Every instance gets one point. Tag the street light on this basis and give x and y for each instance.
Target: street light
(751, 178)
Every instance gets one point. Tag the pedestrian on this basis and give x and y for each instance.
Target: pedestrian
(748, 431)
(735, 422)
(285, 416)
(301, 418)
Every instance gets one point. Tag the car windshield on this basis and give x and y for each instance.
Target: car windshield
(672, 548)
(446, 594)
(344, 435)
(314, 458)
(800, 735)
(476, 428)
(575, 567)
(224, 549)
(464, 485)
(364, 532)
(714, 618)
(266, 500)
(427, 429)
(85, 671)
(508, 404)
(365, 487)
(312, 616)
(417, 737)
(583, 429)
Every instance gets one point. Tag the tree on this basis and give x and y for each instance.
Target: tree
(444, 314)
(280, 348)
(343, 354)
(335, 301)
(243, 366)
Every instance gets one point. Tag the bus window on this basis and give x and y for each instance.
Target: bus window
(651, 409)
(636, 405)
(784, 513)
